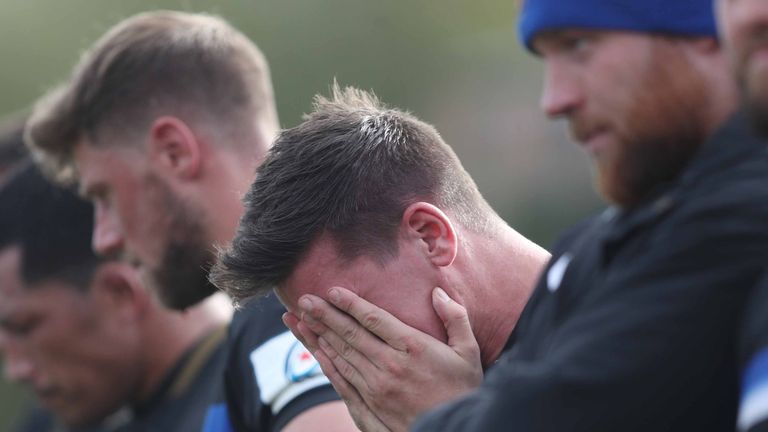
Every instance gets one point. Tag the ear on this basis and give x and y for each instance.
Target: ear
(174, 147)
(430, 226)
(118, 291)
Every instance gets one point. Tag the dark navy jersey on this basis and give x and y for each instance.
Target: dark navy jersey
(753, 411)
(178, 404)
(270, 378)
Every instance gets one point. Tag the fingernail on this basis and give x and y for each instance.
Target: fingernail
(334, 295)
(285, 318)
(305, 303)
(442, 295)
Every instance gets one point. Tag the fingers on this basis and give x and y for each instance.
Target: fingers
(457, 325)
(349, 370)
(342, 386)
(304, 334)
(364, 418)
(376, 320)
(339, 328)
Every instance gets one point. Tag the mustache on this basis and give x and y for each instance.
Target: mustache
(581, 130)
(123, 256)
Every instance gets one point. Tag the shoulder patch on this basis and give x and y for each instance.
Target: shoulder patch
(300, 363)
(557, 271)
(753, 409)
(284, 370)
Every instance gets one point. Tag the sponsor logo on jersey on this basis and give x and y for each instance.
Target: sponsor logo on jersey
(300, 364)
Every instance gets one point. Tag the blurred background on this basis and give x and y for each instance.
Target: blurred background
(455, 64)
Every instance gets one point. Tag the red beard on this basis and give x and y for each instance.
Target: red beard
(664, 127)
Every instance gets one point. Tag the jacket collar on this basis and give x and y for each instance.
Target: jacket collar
(730, 144)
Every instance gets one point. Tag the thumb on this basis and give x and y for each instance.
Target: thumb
(457, 326)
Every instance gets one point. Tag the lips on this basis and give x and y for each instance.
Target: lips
(590, 138)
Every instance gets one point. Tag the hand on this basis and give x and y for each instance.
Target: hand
(363, 417)
(383, 368)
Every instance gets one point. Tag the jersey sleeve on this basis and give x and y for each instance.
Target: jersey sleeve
(270, 378)
(289, 378)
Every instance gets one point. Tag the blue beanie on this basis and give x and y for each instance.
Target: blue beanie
(677, 17)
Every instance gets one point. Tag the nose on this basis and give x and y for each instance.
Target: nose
(107, 235)
(16, 366)
(560, 93)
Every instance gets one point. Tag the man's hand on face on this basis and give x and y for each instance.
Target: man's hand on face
(387, 372)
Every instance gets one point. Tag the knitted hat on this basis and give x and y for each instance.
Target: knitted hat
(676, 17)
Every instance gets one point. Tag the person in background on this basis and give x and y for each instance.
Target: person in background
(162, 125)
(744, 28)
(83, 334)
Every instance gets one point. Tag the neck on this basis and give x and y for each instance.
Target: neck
(502, 270)
(230, 176)
(168, 335)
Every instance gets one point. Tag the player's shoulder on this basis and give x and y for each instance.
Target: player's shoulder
(257, 321)
(269, 370)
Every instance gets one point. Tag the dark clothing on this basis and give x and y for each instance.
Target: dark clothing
(38, 419)
(270, 377)
(753, 412)
(631, 327)
(177, 405)
(180, 402)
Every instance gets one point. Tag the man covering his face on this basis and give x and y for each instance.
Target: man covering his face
(631, 325)
(369, 197)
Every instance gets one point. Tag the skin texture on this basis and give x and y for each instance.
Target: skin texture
(638, 116)
(744, 28)
(62, 345)
(138, 216)
(393, 344)
(85, 353)
(386, 360)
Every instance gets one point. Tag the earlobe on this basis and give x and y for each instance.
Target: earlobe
(427, 224)
(175, 147)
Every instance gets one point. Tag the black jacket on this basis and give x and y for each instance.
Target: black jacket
(631, 327)
(753, 412)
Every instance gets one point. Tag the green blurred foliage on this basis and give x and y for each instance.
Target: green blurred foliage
(456, 64)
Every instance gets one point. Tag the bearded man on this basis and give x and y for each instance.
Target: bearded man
(162, 125)
(744, 27)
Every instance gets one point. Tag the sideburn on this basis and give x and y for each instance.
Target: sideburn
(181, 280)
(665, 127)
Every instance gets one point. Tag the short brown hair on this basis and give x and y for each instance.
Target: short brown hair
(350, 170)
(157, 63)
